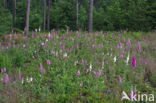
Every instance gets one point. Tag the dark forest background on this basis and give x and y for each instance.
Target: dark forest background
(108, 15)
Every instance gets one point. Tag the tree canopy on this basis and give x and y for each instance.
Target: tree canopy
(108, 15)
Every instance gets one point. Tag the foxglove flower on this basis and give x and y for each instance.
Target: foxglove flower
(119, 45)
(48, 62)
(121, 56)
(3, 70)
(6, 79)
(78, 73)
(114, 59)
(19, 76)
(93, 46)
(81, 84)
(65, 55)
(120, 79)
(127, 59)
(133, 62)
(139, 47)
(98, 73)
(41, 68)
(128, 43)
(32, 36)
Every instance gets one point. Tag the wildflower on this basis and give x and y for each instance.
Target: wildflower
(76, 62)
(127, 59)
(114, 59)
(39, 29)
(128, 43)
(49, 35)
(121, 56)
(56, 54)
(93, 46)
(3, 70)
(139, 47)
(81, 84)
(42, 43)
(22, 80)
(46, 40)
(41, 68)
(48, 62)
(125, 49)
(6, 79)
(36, 30)
(133, 62)
(29, 79)
(32, 36)
(78, 73)
(23, 45)
(82, 62)
(119, 45)
(19, 76)
(65, 55)
(120, 79)
(2, 79)
(90, 67)
(98, 73)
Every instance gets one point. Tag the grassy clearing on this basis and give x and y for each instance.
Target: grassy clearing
(76, 67)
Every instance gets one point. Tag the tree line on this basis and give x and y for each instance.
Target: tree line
(88, 15)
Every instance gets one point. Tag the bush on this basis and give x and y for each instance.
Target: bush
(5, 61)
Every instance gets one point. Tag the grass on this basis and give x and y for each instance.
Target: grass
(76, 67)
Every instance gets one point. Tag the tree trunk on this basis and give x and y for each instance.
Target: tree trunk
(49, 6)
(44, 16)
(90, 24)
(27, 17)
(77, 13)
(13, 12)
(5, 3)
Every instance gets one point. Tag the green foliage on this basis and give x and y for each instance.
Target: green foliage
(60, 83)
(5, 21)
(62, 15)
(20, 15)
(17, 56)
(5, 61)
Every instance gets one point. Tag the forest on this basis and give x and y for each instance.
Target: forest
(108, 15)
(77, 51)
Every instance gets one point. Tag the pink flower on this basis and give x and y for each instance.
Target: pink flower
(48, 62)
(128, 43)
(3, 70)
(133, 62)
(121, 56)
(119, 45)
(78, 73)
(82, 62)
(139, 47)
(6, 79)
(41, 68)
(32, 36)
(19, 76)
(81, 84)
(98, 73)
(120, 79)
(93, 46)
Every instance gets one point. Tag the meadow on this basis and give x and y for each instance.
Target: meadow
(76, 67)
